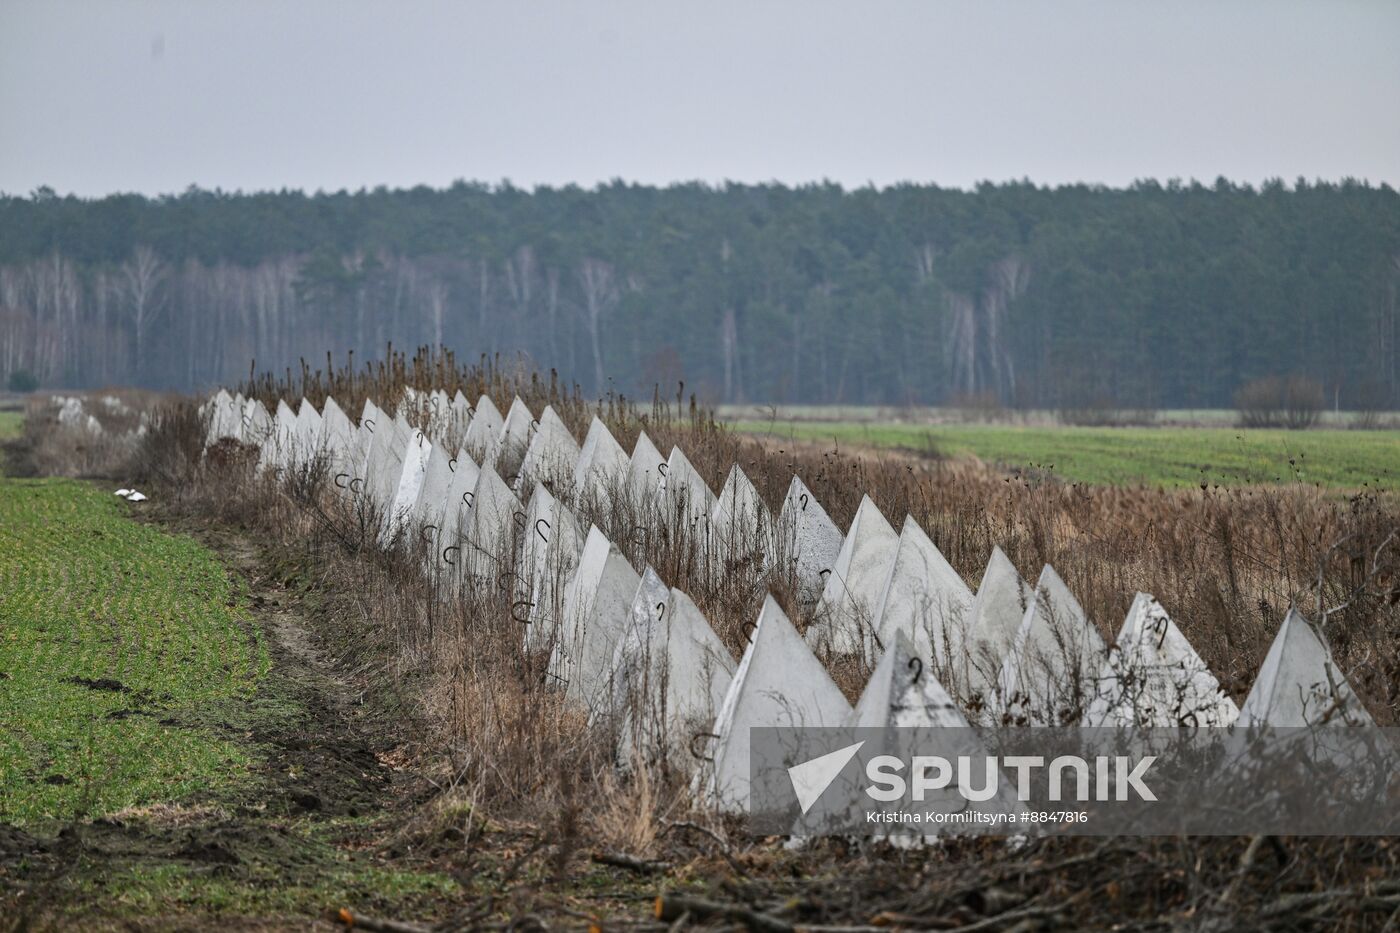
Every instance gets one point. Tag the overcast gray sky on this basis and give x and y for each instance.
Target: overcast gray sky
(152, 96)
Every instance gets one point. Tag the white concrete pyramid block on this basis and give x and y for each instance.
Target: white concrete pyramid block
(602, 466)
(1051, 672)
(997, 610)
(309, 431)
(904, 693)
(339, 437)
(347, 444)
(411, 475)
(206, 414)
(741, 524)
(487, 542)
(648, 606)
(331, 405)
(371, 417)
(739, 503)
(431, 503)
(364, 446)
(515, 434)
(649, 602)
(259, 422)
(924, 598)
(210, 413)
(240, 409)
(456, 508)
(223, 418)
(779, 682)
(284, 426)
(284, 419)
(810, 538)
(678, 672)
(384, 467)
(597, 613)
(683, 497)
(550, 552)
(1154, 678)
(256, 423)
(439, 411)
(232, 423)
(484, 431)
(378, 432)
(540, 506)
(306, 436)
(1299, 683)
(425, 408)
(460, 415)
(845, 613)
(297, 420)
(372, 422)
(552, 454)
(275, 452)
(644, 470)
(235, 423)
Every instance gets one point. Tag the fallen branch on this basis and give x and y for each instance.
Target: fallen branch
(1381, 897)
(1246, 861)
(671, 907)
(724, 848)
(1024, 913)
(641, 866)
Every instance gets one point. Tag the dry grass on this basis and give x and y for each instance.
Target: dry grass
(1226, 564)
(52, 445)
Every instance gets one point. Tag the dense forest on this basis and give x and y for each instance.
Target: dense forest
(1160, 295)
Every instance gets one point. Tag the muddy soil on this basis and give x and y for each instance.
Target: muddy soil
(326, 757)
(323, 788)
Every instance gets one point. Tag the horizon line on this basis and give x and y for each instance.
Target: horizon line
(1173, 183)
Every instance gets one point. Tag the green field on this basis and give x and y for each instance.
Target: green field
(10, 422)
(1170, 457)
(135, 683)
(113, 633)
(1034, 417)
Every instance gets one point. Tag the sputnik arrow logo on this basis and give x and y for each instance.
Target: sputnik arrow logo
(811, 778)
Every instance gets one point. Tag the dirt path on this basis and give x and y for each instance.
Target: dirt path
(310, 829)
(328, 759)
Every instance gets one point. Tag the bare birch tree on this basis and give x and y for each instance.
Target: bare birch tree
(142, 277)
(600, 296)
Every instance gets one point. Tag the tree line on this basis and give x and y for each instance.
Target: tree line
(1157, 295)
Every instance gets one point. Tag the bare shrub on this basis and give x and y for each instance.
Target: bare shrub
(1260, 403)
(1369, 400)
(1293, 402)
(95, 435)
(984, 406)
(1102, 411)
(1090, 411)
(1303, 401)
